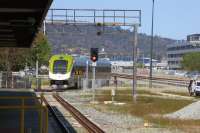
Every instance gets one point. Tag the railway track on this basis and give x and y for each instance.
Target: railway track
(64, 127)
(84, 121)
(161, 80)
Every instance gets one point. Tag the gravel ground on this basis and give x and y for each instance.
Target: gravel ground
(112, 122)
(191, 111)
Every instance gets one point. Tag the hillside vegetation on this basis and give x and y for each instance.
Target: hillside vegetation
(115, 41)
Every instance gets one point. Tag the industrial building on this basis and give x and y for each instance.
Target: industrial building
(176, 51)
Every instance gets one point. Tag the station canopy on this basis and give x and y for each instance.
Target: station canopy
(20, 20)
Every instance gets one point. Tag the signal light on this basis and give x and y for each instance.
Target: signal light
(94, 58)
(94, 54)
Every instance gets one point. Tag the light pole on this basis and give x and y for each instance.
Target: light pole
(151, 48)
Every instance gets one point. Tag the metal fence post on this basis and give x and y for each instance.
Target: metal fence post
(6, 79)
(40, 118)
(12, 82)
(78, 79)
(87, 75)
(1, 79)
(47, 119)
(22, 117)
(36, 74)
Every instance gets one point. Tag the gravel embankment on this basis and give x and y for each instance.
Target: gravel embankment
(191, 111)
(112, 122)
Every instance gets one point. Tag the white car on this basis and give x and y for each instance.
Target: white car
(197, 88)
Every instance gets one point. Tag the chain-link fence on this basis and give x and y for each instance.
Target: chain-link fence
(14, 80)
(128, 83)
(104, 83)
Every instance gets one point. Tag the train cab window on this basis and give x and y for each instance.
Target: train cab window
(60, 67)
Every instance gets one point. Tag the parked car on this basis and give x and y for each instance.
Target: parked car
(197, 88)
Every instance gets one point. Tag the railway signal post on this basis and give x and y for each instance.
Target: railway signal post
(93, 80)
(94, 58)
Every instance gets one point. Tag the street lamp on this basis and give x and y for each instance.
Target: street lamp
(151, 48)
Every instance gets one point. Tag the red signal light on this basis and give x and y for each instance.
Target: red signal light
(94, 54)
(94, 58)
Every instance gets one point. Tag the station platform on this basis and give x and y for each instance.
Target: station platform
(22, 111)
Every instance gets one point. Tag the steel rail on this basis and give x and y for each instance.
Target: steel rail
(84, 121)
(63, 128)
(147, 77)
(162, 80)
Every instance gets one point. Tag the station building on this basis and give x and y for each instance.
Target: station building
(176, 51)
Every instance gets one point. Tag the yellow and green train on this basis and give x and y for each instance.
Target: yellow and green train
(60, 69)
(66, 71)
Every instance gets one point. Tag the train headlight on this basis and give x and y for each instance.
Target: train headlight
(65, 86)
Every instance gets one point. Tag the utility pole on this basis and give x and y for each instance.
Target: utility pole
(151, 48)
(135, 41)
(94, 58)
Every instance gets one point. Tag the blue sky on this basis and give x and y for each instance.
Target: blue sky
(173, 18)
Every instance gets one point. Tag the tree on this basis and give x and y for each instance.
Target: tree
(191, 61)
(12, 58)
(40, 51)
(15, 59)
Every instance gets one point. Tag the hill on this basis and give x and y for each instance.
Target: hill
(115, 41)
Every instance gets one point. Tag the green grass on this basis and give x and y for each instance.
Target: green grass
(188, 126)
(174, 122)
(144, 106)
(148, 108)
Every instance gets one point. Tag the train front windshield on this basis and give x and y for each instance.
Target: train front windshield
(60, 67)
